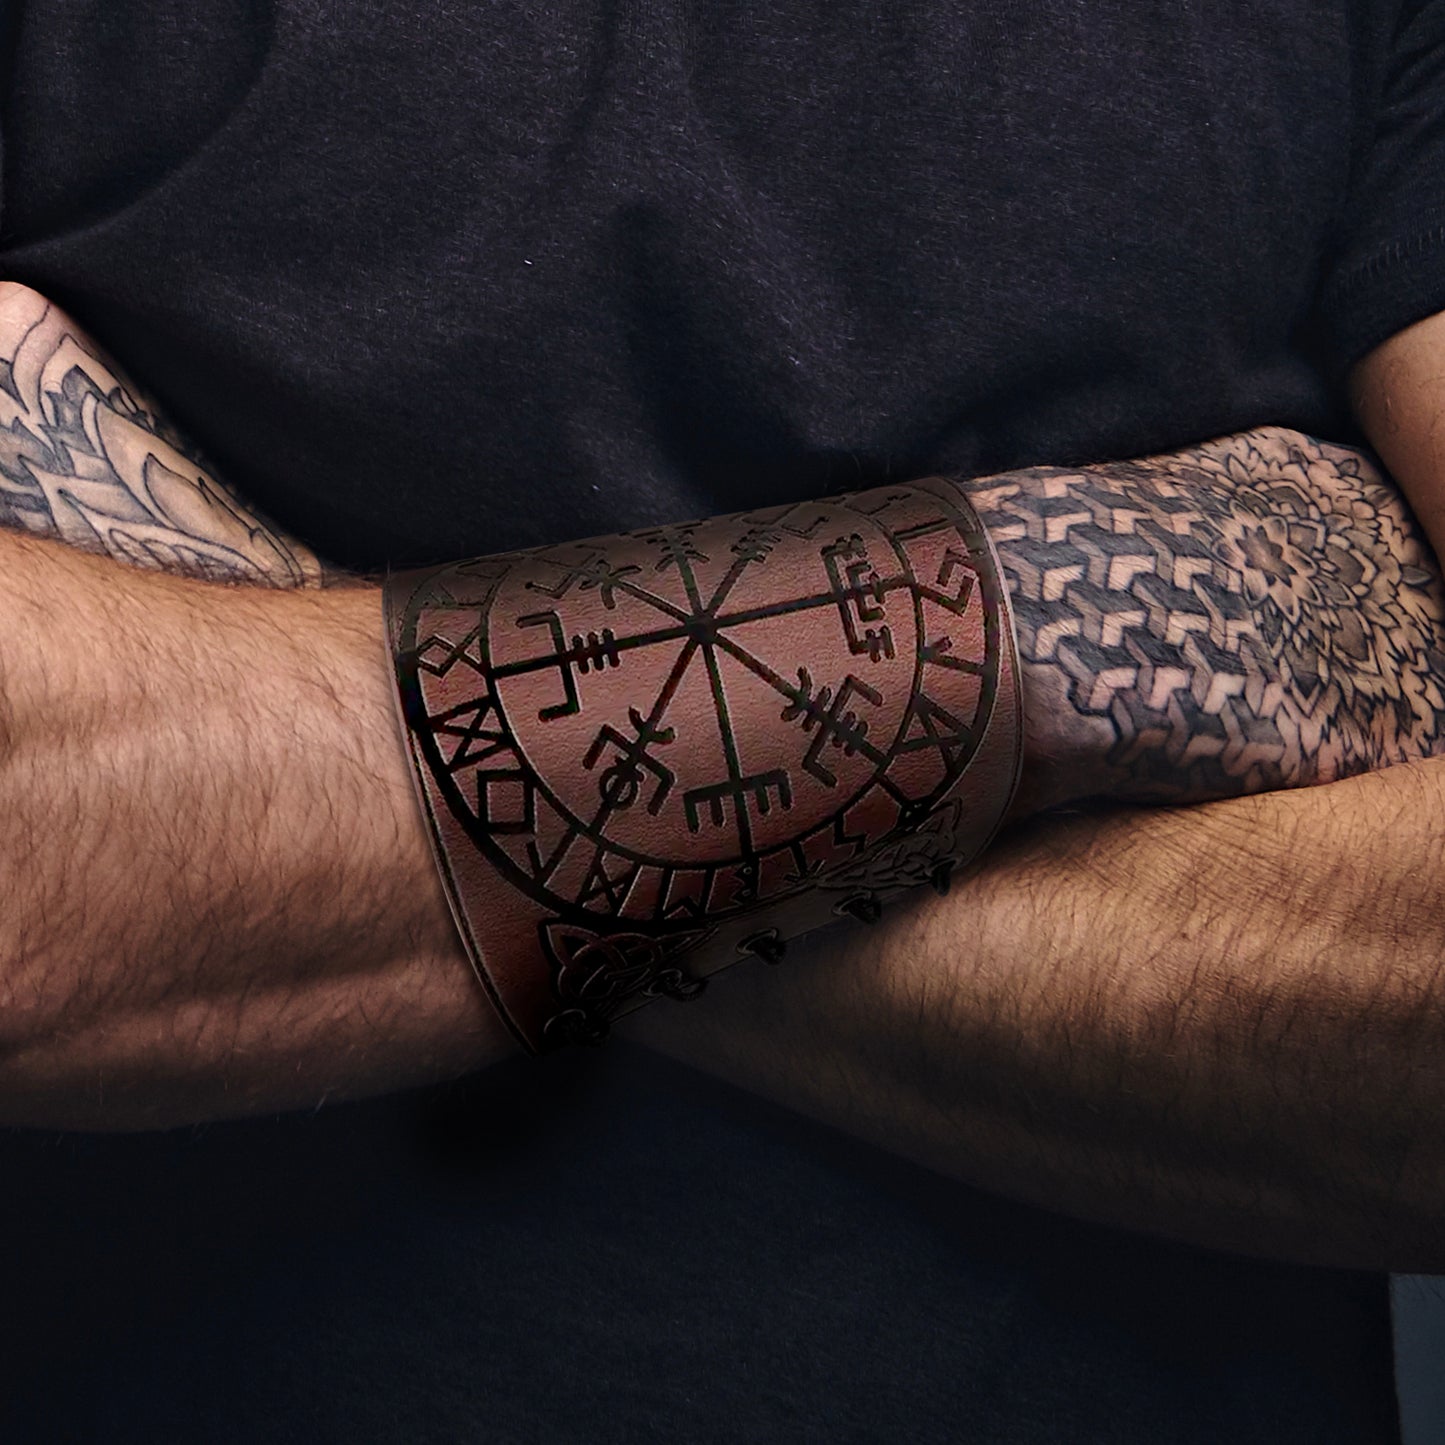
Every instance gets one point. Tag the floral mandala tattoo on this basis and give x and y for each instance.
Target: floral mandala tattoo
(87, 460)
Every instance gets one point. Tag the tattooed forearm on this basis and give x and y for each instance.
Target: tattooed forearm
(1257, 613)
(87, 459)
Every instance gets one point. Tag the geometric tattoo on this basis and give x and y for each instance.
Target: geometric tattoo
(86, 461)
(1257, 613)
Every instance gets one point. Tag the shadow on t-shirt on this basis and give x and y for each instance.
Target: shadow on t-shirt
(611, 1248)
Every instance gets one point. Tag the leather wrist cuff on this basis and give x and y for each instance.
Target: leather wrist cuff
(644, 756)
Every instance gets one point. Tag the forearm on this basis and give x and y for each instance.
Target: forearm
(1221, 1024)
(218, 894)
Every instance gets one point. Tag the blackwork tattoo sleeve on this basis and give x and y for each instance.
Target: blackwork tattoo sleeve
(86, 458)
(1256, 613)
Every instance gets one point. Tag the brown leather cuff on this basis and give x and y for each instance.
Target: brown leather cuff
(643, 757)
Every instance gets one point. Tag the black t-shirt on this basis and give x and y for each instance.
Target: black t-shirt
(432, 280)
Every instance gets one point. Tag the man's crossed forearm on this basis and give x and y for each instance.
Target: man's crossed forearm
(221, 894)
(1252, 613)
(218, 895)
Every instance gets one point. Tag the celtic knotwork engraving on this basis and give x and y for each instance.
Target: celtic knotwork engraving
(594, 972)
(917, 856)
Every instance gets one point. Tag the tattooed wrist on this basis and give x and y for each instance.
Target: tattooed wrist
(1259, 612)
(87, 459)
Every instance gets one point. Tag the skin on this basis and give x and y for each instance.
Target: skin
(1165, 1071)
(1399, 394)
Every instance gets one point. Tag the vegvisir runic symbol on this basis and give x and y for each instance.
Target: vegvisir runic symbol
(704, 719)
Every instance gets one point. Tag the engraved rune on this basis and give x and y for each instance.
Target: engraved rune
(758, 788)
(675, 546)
(822, 710)
(756, 544)
(859, 593)
(620, 784)
(596, 651)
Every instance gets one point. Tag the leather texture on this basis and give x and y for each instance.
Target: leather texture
(644, 757)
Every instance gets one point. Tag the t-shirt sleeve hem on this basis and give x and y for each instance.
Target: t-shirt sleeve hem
(1384, 292)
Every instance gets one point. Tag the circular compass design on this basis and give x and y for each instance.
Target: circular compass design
(656, 731)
